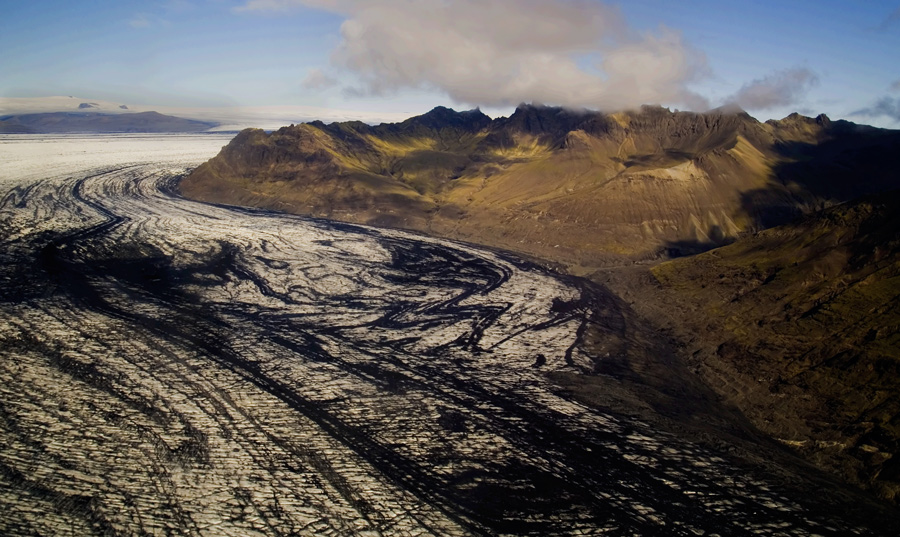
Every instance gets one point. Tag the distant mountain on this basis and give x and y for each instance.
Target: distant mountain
(799, 327)
(96, 122)
(580, 187)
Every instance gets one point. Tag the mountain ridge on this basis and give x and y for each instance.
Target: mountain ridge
(99, 122)
(798, 327)
(585, 188)
(597, 194)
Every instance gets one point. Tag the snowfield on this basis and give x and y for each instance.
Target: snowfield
(34, 157)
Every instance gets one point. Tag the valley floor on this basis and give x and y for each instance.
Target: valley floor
(173, 367)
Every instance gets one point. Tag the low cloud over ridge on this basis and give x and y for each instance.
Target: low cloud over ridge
(782, 88)
(567, 52)
(885, 107)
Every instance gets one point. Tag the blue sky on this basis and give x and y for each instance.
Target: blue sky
(836, 57)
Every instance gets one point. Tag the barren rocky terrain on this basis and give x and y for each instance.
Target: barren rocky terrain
(798, 327)
(175, 367)
(793, 328)
(581, 188)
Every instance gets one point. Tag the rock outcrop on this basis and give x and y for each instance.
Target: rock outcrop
(794, 326)
(583, 188)
(799, 328)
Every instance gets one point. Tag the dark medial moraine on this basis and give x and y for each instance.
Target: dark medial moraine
(171, 366)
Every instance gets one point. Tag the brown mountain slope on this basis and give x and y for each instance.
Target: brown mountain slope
(795, 326)
(799, 328)
(582, 188)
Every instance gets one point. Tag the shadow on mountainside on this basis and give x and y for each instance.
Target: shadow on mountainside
(686, 248)
(799, 327)
(636, 370)
(851, 162)
(640, 370)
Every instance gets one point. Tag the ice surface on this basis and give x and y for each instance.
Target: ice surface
(172, 367)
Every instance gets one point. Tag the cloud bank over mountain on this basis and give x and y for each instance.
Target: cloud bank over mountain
(572, 53)
(883, 107)
(403, 57)
(782, 88)
(886, 106)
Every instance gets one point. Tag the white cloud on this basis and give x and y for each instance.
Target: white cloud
(502, 52)
(316, 79)
(782, 88)
(888, 107)
(895, 85)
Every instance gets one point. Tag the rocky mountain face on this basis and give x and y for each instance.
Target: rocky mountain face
(586, 189)
(97, 122)
(799, 328)
(795, 327)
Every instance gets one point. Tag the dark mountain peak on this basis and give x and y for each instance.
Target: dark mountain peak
(653, 109)
(795, 119)
(546, 121)
(440, 111)
(357, 125)
(343, 129)
(671, 128)
(725, 114)
(247, 138)
(796, 127)
(540, 109)
(524, 107)
(441, 117)
(728, 109)
(347, 132)
(692, 133)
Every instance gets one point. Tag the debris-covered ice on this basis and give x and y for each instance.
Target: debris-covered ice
(171, 367)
